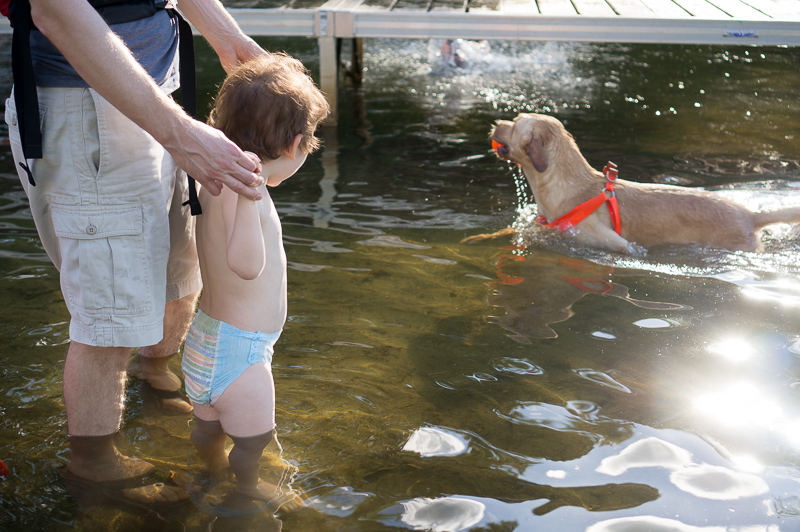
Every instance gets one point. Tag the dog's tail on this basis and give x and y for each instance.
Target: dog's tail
(781, 216)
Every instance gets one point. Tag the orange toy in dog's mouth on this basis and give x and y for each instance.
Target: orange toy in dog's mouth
(500, 149)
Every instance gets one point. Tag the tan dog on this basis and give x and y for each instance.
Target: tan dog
(651, 215)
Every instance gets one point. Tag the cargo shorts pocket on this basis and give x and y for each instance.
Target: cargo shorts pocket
(104, 267)
(11, 114)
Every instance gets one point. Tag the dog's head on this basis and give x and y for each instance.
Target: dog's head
(526, 140)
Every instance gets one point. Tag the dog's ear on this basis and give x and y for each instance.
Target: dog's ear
(537, 154)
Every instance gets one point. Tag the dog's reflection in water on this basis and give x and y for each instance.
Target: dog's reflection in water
(538, 289)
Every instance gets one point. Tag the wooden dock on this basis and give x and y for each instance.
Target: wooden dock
(751, 22)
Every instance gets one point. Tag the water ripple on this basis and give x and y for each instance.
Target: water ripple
(435, 441)
(392, 242)
(339, 502)
(652, 524)
(446, 514)
(601, 378)
(517, 366)
(718, 483)
(649, 452)
(655, 323)
(545, 415)
(435, 260)
(424, 217)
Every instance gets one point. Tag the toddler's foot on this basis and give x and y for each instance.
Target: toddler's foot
(273, 496)
(217, 465)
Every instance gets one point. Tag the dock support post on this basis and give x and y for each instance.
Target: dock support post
(329, 75)
(356, 72)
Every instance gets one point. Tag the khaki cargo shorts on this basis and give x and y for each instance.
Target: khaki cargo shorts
(107, 206)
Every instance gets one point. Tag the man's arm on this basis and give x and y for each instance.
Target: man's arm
(221, 31)
(106, 64)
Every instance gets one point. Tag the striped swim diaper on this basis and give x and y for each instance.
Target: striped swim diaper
(216, 353)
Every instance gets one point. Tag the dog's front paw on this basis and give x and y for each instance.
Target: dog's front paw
(476, 239)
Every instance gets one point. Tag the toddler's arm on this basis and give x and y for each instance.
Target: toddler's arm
(246, 255)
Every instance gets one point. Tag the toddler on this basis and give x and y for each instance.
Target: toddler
(269, 107)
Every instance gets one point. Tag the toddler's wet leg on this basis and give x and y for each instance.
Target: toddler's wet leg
(209, 440)
(244, 461)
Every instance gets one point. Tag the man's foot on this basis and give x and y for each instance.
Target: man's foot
(151, 487)
(164, 490)
(160, 383)
(116, 468)
(156, 372)
(172, 403)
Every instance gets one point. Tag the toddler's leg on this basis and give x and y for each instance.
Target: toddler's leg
(243, 459)
(209, 440)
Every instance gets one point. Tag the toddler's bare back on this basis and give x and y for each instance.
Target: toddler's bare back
(251, 305)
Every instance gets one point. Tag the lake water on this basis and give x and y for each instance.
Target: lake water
(423, 384)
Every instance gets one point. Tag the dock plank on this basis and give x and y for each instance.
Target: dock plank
(519, 7)
(775, 9)
(666, 9)
(556, 8)
(375, 5)
(792, 6)
(484, 6)
(739, 10)
(703, 9)
(457, 6)
(594, 8)
(631, 8)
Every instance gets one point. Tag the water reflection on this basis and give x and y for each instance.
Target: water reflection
(739, 405)
(539, 288)
(649, 452)
(699, 479)
(660, 524)
(429, 441)
(720, 483)
(785, 292)
(448, 514)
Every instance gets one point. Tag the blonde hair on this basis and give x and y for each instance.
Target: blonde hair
(265, 103)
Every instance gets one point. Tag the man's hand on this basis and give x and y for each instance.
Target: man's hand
(238, 51)
(210, 158)
(220, 30)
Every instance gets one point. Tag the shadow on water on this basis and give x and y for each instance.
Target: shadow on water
(427, 385)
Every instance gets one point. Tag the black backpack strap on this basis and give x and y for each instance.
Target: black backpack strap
(188, 94)
(25, 97)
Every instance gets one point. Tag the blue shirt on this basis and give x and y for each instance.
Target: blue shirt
(153, 41)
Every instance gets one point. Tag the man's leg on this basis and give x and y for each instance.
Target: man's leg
(155, 358)
(94, 390)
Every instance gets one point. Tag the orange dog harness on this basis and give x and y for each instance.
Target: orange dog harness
(579, 213)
